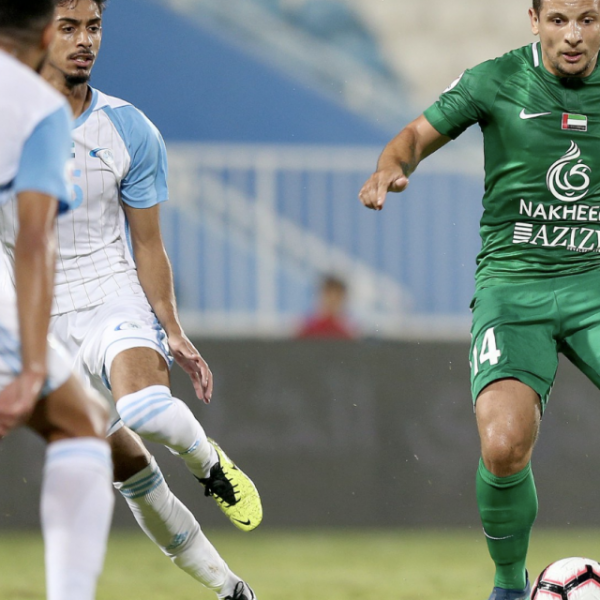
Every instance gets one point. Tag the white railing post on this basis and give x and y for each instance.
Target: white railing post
(266, 238)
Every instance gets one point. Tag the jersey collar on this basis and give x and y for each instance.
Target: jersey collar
(83, 117)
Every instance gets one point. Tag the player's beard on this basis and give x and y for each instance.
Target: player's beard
(75, 80)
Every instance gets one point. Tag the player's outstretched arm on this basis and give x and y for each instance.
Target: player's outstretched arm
(399, 159)
(156, 277)
(34, 279)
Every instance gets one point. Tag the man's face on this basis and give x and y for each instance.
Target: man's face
(78, 27)
(569, 33)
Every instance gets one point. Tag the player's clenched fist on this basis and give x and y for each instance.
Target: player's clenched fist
(374, 191)
(17, 400)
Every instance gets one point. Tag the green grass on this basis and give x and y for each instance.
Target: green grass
(308, 565)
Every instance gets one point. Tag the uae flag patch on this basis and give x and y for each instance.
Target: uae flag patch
(574, 122)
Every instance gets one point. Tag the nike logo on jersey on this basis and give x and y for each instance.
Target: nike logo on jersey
(524, 115)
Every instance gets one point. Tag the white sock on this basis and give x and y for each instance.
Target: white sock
(76, 512)
(173, 528)
(155, 415)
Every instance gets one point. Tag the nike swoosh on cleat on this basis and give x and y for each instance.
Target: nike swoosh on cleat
(248, 522)
(524, 115)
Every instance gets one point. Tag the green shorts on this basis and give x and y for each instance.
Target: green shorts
(519, 329)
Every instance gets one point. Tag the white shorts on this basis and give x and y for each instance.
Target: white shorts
(96, 335)
(59, 369)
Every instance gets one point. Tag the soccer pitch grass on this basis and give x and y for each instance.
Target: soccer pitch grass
(302, 565)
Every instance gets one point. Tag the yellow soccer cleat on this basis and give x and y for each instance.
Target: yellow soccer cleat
(242, 591)
(233, 491)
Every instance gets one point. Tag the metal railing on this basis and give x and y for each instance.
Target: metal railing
(250, 230)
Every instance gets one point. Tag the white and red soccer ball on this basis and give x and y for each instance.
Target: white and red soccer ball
(568, 579)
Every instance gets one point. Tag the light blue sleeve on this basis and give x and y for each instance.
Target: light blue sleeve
(43, 165)
(145, 184)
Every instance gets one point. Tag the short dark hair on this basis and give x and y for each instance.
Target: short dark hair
(101, 3)
(331, 281)
(537, 6)
(25, 15)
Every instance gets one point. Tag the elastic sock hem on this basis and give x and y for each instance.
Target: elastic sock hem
(148, 472)
(503, 482)
(88, 448)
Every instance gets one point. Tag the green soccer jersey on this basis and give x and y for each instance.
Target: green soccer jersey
(542, 165)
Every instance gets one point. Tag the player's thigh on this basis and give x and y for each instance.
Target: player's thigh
(579, 299)
(582, 348)
(512, 337)
(134, 369)
(70, 411)
(127, 333)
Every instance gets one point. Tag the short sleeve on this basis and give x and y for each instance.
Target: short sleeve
(145, 183)
(461, 105)
(45, 159)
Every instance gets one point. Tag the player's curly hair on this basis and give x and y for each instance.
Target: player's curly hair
(18, 16)
(101, 3)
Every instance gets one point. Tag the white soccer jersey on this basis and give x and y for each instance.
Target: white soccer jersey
(32, 124)
(34, 152)
(119, 156)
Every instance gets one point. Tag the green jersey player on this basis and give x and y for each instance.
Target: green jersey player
(538, 272)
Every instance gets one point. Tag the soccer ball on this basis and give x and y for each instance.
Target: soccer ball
(568, 579)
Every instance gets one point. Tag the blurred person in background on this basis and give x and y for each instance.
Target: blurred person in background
(538, 271)
(37, 387)
(115, 309)
(330, 321)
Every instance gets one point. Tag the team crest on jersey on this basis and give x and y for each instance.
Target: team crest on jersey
(105, 155)
(129, 325)
(568, 178)
(454, 83)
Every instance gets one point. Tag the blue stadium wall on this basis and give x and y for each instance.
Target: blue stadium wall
(200, 85)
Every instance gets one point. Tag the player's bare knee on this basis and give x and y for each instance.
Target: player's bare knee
(503, 455)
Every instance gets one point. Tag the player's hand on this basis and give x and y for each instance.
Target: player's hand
(374, 191)
(189, 359)
(18, 398)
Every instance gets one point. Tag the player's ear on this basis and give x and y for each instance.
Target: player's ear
(48, 35)
(535, 21)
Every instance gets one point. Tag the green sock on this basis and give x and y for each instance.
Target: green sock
(508, 507)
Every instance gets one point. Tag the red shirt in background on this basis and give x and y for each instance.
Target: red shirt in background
(326, 327)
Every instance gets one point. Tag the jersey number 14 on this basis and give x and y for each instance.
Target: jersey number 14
(489, 351)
